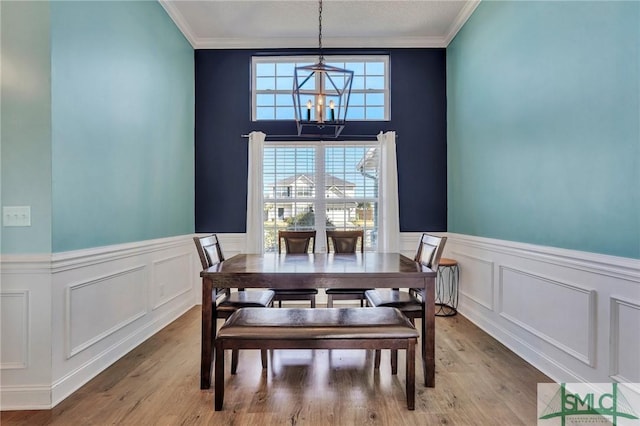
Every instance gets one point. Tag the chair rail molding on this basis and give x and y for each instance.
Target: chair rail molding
(75, 322)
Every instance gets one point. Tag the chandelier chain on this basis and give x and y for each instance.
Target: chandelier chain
(320, 30)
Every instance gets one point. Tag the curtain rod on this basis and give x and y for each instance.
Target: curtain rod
(297, 137)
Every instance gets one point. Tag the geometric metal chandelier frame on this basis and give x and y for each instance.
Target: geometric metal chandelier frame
(321, 95)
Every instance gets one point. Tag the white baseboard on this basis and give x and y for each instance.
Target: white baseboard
(26, 398)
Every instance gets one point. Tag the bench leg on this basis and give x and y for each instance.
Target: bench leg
(263, 357)
(234, 360)
(329, 301)
(394, 361)
(219, 377)
(376, 359)
(411, 375)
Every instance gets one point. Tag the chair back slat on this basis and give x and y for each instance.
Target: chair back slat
(297, 242)
(345, 241)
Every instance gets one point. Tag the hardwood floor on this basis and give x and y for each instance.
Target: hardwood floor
(478, 382)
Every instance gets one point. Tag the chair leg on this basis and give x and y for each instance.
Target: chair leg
(313, 301)
(329, 301)
(376, 359)
(219, 377)
(234, 360)
(263, 357)
(411, 375)
(394, 361)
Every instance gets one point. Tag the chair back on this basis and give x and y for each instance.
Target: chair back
(210, 254)
(430, 250)
(209, 250)
(297, 242)
(345, 241)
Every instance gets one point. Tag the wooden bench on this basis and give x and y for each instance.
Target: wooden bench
(307, 328)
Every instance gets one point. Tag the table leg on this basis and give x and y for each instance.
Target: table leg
(429, 332)
(208, 333)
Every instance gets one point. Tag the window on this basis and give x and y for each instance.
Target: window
(329, 186)
(272, 84)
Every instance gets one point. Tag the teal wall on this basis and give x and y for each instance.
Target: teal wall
(122, 85)
(25, 123)
(97, 124)
(543, 125)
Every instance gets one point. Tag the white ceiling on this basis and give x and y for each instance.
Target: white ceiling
(238, 24)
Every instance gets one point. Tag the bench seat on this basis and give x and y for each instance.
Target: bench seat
(307, 328)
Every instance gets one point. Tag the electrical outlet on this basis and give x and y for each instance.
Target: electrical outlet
(16, 216)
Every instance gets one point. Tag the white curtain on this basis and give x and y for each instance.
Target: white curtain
(255, 206)
(388, 216)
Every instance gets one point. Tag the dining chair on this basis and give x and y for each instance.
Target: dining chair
(409, 302)
(345, 242)
(227, 301)
(296, 242)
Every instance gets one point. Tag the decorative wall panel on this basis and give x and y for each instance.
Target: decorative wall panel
(101, 306)
(625, 343)
(476, 278)
(541, 305)
(171, 277)
(14, 329)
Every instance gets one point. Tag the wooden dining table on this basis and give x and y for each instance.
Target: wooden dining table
(283, 271)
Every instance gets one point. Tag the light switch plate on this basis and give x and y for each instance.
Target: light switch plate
(16, 216)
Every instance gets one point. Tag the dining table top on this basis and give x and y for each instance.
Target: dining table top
(351, 265)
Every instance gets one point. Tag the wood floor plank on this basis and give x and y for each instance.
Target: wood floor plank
(478, 382)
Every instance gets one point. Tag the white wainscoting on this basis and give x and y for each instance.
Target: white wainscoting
(573, 315)
(25, 291)
(67, 317)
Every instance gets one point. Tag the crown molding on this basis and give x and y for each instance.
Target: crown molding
(461, 19)
(179, 20)
(327, 42)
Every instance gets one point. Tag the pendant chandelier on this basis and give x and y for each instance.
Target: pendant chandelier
(321, 95)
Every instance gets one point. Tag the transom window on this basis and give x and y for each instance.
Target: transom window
(320, 186)
(272, 84)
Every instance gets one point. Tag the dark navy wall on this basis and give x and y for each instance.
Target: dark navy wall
(223, 114)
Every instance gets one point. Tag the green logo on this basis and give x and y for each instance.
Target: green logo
(583, 403)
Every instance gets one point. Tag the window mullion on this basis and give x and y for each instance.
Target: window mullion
(321, 206)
